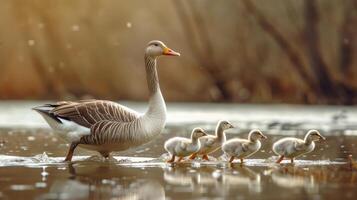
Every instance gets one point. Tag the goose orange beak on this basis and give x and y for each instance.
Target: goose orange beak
(170, 52)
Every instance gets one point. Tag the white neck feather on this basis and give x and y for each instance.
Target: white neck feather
(153, 121)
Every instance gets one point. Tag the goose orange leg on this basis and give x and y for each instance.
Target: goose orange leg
(172, 159)
(193, 156)
(231, 160)
(70, 151)
(105, 154)
(205, 157)
(280, 159)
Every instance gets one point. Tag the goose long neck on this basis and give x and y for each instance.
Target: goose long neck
(151, 75)
(157, 107)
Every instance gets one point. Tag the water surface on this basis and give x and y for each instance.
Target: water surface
(31, 157)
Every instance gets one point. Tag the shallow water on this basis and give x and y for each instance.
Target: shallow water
(31, 157)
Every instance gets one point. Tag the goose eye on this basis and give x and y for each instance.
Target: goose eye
(156, 45)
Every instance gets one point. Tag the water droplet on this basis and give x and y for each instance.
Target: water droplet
(31, 42)
(128, 24)
(196, 164)
(108, 181)
(31, 138)
(40, 25)
(75, 28)
(21, 187)
(40, 185)
(69, 46)
(24, 148)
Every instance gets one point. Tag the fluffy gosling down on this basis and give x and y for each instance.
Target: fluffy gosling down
(212, 143)
(293, 147)
(182, 147)
(242, 148)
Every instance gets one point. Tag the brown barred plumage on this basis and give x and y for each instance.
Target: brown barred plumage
(106, 126)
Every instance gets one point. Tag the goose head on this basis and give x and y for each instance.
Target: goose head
(224, 124)
(256, 135)
(198, 132)
(315, 135)
(157, 48)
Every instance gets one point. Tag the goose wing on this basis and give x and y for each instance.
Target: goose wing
(89, 112)
(107, 131)
(299, 145)
(209, 142)
(183, 146)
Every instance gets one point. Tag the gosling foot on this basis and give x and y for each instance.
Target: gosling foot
(205, 157)
(193, 156)
(172, 159)
(231, 159)
(280, 159)
(179, 160)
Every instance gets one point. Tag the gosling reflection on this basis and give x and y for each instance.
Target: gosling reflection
(101, 181)
(191, 179)
(241, 177)
(212, 180)
(292, 177)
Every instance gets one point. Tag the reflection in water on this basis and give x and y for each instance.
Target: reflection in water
(196, 180)
(217, 181)
(241, 176)
(323, 174)
(104, 181)
(296, 177)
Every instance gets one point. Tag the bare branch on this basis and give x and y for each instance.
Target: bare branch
(283, 43)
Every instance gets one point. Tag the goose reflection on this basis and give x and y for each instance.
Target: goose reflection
(104, 181)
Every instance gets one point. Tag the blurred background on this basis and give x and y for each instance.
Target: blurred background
(281, 51)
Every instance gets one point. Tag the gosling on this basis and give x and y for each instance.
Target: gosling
(212, 143)
(293, 147)
(182, 147)
(242, 148)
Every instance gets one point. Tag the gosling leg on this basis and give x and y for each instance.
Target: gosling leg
(241, 161)
(179, 160)
(205, 157)
(292, 160)
(172, 159)
(231, 160)
(193, 156)
(70, 151)
(280, 159)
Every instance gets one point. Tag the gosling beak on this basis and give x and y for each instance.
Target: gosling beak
(204, 133)
(264, 137)
(322, 137)
(170, 52)
(231, 126)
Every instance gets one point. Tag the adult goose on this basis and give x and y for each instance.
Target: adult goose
(106, 126)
